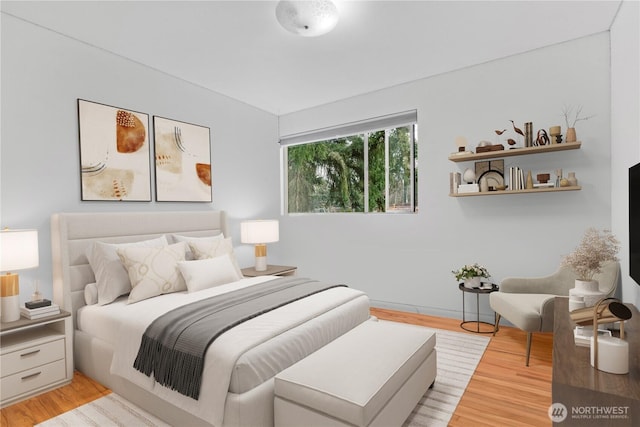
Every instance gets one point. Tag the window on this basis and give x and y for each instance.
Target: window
(367, 166)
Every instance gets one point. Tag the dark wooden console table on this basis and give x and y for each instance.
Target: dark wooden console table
(593, 397)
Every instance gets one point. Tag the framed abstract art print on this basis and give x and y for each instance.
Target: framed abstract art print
(114, 153)
(183, 161)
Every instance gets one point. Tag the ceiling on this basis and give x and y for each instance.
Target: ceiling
(238, 49)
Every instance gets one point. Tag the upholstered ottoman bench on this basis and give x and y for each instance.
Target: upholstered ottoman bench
(374, 375)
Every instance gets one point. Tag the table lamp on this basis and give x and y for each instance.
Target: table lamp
(259, 232)
(18, 251)
(612, 354)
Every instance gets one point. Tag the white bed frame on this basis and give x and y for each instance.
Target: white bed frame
(73, 233)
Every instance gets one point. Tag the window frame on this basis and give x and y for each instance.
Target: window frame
(384, 123)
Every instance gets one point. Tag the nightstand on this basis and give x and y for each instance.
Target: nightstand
(35, 356)
(273, 270)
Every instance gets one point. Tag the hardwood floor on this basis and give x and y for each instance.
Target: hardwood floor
(40, 408)
(502, 391)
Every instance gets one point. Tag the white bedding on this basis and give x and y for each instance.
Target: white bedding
(241, 358)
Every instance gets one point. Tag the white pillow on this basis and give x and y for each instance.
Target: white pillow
(214, 248)
(91, 294)
(207, 273)
(178, 238)
(153, 271)
(111, 277)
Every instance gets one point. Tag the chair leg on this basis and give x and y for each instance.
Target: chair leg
(528, 347)
(495, 324)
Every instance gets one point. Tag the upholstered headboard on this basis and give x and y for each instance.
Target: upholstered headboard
(73, 233)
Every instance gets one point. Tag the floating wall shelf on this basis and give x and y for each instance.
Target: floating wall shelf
(508, 192)
(515, 152)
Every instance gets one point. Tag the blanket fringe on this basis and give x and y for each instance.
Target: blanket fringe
(171, 368)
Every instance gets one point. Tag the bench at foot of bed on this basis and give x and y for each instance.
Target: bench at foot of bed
(374, 375)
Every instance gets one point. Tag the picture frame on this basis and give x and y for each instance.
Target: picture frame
(182, 161)
(115, 160)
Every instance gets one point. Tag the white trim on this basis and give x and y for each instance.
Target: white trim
(353, 128)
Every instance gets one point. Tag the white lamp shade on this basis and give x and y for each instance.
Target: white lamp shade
(308, 18)
(18, 249)
(259, 231)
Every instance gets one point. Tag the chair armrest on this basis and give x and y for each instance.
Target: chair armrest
(557, 283)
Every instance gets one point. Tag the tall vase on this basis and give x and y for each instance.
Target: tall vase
(571, 135)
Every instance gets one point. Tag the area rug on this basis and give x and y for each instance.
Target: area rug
(458, 357)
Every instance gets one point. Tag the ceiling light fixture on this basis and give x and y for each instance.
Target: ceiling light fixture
(307, 18)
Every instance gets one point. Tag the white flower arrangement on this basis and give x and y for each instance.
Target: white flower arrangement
(469, 271)
(596, 247)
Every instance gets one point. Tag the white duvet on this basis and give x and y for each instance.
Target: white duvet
(127, 324)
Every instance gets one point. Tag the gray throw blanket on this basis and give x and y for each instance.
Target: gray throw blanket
(174, 345)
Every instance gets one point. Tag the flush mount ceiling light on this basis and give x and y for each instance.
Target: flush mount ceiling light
(308, 18)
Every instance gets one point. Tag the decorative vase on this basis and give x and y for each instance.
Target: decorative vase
(585, 294)
(573, 181)
(571, 135)
(473, 282)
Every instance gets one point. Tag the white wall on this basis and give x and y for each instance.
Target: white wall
(402, 261)
(43, 74)
(405, 261)
(625, 129)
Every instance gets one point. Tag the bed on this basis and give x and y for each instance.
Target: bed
(237, 381)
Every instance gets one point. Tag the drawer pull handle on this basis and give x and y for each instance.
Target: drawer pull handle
(30, 353)
(31, 376)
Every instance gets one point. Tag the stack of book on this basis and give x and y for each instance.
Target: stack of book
(40, 309)
(516, 178)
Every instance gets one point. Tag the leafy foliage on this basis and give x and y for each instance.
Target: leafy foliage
(329, 176)
(469, 271)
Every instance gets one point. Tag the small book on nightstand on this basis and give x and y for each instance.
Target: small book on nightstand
(37, 304)
(40, 312)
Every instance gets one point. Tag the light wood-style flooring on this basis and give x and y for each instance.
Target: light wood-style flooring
(502, 391)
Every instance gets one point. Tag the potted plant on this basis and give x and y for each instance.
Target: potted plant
(586, 261)
(471, 274)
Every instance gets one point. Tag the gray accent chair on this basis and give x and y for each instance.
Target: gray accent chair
(528, 302)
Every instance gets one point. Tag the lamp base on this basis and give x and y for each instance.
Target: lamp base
(261, 257)
(9, 297)
(261, 263)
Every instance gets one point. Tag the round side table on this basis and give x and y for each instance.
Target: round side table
(485, 288)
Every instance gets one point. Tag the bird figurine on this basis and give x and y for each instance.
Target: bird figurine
(499, 132)
(511, 141)
(517, 130)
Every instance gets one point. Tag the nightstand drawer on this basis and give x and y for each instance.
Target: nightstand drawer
(31, 357)
(32, 379)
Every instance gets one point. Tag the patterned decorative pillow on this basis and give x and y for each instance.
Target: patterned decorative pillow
(111, 276)
(153, 271)
(209, 272)
(214, 248)
(179, 238)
